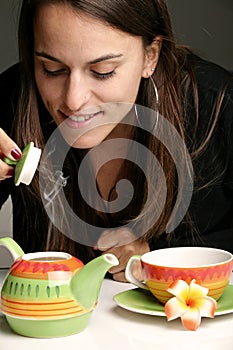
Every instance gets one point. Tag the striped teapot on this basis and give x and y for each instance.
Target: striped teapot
(51, 294)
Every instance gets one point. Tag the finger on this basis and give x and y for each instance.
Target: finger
(8, 147)
(106, 241)
(115, 238)
(6, 171)
(120, 277)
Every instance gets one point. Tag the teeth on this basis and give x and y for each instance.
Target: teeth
(81, 118)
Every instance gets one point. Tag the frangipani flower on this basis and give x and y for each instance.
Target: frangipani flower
(190, 303)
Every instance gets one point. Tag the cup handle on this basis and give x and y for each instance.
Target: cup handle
(129, 275)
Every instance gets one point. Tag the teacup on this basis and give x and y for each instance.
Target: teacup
(210, 267)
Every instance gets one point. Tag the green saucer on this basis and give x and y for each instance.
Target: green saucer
(142, 301)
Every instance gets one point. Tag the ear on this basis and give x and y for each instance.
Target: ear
(152, 53)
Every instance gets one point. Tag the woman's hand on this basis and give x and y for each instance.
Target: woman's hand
(9, 149)
(123, 244)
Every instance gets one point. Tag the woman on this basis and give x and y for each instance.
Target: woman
(97, 68)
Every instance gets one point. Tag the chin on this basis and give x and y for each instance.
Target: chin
(86, 144)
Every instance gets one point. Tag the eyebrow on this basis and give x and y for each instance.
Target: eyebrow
(97, 60)
(46, 55)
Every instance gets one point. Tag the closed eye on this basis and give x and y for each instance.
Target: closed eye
(103, 76)
(54, 73)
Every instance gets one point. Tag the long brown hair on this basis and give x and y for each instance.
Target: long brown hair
(174, 77)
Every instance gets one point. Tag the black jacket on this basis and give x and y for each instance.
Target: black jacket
(211, 208)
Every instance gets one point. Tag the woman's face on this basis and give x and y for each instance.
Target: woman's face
(84, 69)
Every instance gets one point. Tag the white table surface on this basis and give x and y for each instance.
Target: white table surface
(114, 328)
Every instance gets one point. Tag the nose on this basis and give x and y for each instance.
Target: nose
(77, 92)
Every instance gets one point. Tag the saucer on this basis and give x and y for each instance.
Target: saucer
(142, 301)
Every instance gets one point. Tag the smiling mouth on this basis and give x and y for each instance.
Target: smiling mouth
(83, 117)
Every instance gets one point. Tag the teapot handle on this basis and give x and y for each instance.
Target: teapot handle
(12, 246)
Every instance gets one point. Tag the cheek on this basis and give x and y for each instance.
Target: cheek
(42, 87)
(130, 83)
(49, 91)
(124, 89)
(130, 89)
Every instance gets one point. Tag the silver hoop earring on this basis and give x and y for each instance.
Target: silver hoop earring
(156, 108)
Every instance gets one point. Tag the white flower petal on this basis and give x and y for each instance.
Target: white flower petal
(197, 290)
(180, 289)
(208, 307)
(191, 319)
(174, 308)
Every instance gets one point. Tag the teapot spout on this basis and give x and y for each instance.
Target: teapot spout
(86, 283)
(12, 246)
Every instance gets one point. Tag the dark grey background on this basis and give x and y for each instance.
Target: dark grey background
(205, 25)
(8, 32)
